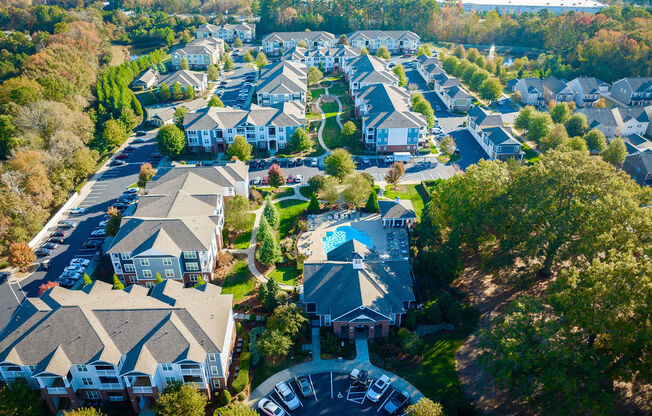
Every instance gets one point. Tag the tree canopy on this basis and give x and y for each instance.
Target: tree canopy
(339, 164)
(240, 148)
(170, 140)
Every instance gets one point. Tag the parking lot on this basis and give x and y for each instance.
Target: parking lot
(233, 83)
(333, 395)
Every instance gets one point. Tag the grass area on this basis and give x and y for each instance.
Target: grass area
(284, 191)
(289, 210)
(305, 191)
(315, 94)
(407, 192)
(530, 155)
(317, 150)
(239, 282)
(286, 275)
(448, 159)
(331, 134)
(243, 239)
(146, 99)
(338, 89)
(265, 370)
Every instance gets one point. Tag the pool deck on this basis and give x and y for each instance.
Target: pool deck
(311, 242)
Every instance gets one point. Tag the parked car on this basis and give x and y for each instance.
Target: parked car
(136, 141)
(378, 388)
(287, 395)
(437, 108)
(56, 240)
(121, 156)
(270, 408)
(50, 246)
(290, 178)
(365, 160)
(298, 179)
(4, 276)
(132, 191)
(389, 159)
(396, 402)
(359, 377)
(74, 268)
(101, 232)
(264, 181)
(92, 244)
(59, 233)
(66, 282)
(120, 205)
(66, 224)
(76, 210)
(436, 130)
(103, 223)
(256, 180)
(407, 55)
(116, 162)
(141, 133)
(42, 252)
(304, 386)
(81, 261)
(129, 148)
(313, 162)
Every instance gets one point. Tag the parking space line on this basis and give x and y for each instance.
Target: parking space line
(383, 405)
(295, 394)
(272, 399)
(314, 392)
(331, 384)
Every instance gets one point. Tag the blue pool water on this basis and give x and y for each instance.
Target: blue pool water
(342, 235)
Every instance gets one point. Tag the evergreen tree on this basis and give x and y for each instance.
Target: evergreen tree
(271, 213)
(117, 284)
(189, 92)
(372, 202)
(184, 64)
(158, 278)
(215, 102)
(313, 206)
(263, 229)
(177, 91)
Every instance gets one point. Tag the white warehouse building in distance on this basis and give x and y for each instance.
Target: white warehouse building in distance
(530, 6)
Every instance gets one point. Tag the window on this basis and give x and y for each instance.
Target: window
(92, 394)
(149, 285)
(214, 370)
(189, 254)
(211, 357)
(87, 381)
(125, 256)
(327, 320)
(169, 273)
(167, 261)
(170, 380)
(144, 262)
(81, 367)
(166, 367)
(194, 278)
(129, 268)
(192, 266)
(147, 274)
(216, 383)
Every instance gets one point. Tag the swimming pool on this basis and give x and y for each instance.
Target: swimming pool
(342, 235)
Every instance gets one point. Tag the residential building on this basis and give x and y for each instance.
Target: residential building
(529, 6)
(396, 41)
(636, 92)
(617, 121)
(282, 81)
(429, 68)
(500, 144)
(176, 229)
(328, 59)
(639, 167)
(456, 98)
(633, 121)
(586, 90)
(648, 111)
(276, 42)
(197, 80)
(158, 115)
(146, 80)
(367, 70)
(398, 213)
(379, 98)
(246, 32)
(200, 53)
(355, 291)
(636, 143)
(98, 345)
(532, 92)
(511, 84)
(478, 118)
(213, 129)
(556, 89)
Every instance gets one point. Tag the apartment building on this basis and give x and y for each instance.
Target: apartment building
(532, 91)
(276, 42)
(429, 68)
(636, 92)
(97, 345)
(246, 32)
(281, 82)
(367, 70)
(213, 129)
(328, 59)
(558, 90)
(529, 6)
(200, 53)
(175, 231)
(450, 90)
(587, 90)
(396, 41)
(197, 80)
(617, 121)
(495, 139)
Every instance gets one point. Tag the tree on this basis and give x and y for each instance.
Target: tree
(269, 252)
(21, 255)
(460, 51)
(383, 53)
(146, 174)
(228, 63)
(400, 73)
(421, 105)
(261, 293)
(446, 146)
(516, 97)
(272, 288)
(477, 79)
(240, 148)
(237, 43)
(357, 187)
(449, 64)
(313, 206)
(170, 140)
(615, 153)
(525, 114)
(273, 344)
(577, 125)
(113, 133)
(491, 89)
(314, 75)
(184, 64)
(424, 50)
(595, 140)
(157, 278)
(468, 73)
(275, 176)
(300, 140)
(349, 133)
(329, 191)
(425, 407)
(117, 284)
(578, 143)
(289, 319)
(343, 40)
(181, 400)
(213, 72)
(113, 225)
(46, 286)
(189, 92)
(87, 279)
(372, 202)
(261, 60)
(179, 114)
(560, 113)
(247, 57)
(163, 93)
(271, 213)
(236, 409)
(395, 173)
(540, 126)
(224, 398)
(556, 137)
(302, 44)
(177, 91)
(84, 411)
(18, 398)
(339, 164)
(236, 216)
(215, 102)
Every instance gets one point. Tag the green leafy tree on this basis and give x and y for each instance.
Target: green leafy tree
(215, 102)
(330, 190)
(595, 140)
(477, 79)
(447, 146)
(261, 60)
(117, 284)
(525, 114)
(228, 63)
(578, 143)
(313, 206)
(560, 113)
(273, 344)
(302, 44)
(84, 411)
(271, 301)
(271, 213)
(179, 114)
(421, 105)
(236, 215)
(364, 51)
(247, 57)
(400, 73)
(357, 186)
(468, 73)
(449, 64)
(350, 133)
(20, 399)
(189, 92)
(540, 126)
(383, 53)
(343, 40)
(236, 409)
(177, 91)
(184, 64)
(261, 293)
(163, 93)
(615, 153)
(240, 148)
(425, 407)
(314, 75)
(339, 164)
(224, 398)
(237, 43)
(289, 319)
(158, 278)
(424, 50)
(181, 400)
(372, 203)
(213, 72)
(200, 281)
(300, 140)
(491, 89)
(113, 133)
(556, 137)
(577, 125)
(170, 140)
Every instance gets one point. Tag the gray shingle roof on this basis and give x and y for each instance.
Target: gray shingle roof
(599, 117)
(554, 85)
(299, 36)
(500, 136)
(374, 34)
(483, 118)
(383, 97)
(284, 77)
(184, 77)
(396, 209)
(394, 120)
(287, 114)
(589, 85)
(198, 46)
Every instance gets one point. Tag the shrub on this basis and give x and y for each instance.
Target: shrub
(242, 381)
(224, 398)
(253, 347)
(412, 343)
(238, 328)
(411, 319)
(433, 313)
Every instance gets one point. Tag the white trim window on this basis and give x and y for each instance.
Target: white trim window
(193, 278)
(167, 261)
(147, 274)
(144, 262)
(216, 383)
(87, 381)
(125, 256)
(192, 266)
(82, 367)
(211, 357)
(189, 254)
(149, 285)
(327, 320)
(214, 370)
(129, 268)
(170, 380)
(169, 273)
(166, 367)
(92, 394)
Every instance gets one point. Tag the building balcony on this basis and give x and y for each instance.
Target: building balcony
(142, 389)
(57, 390)
(192, 371)
(111, 386)
(110, 373)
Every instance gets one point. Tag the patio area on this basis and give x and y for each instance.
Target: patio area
(387, 243)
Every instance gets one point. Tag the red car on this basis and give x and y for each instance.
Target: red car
(265, 181)
(407, 55)
(290, 178)
(122, 156)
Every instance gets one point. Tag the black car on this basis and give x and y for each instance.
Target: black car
(66, 282)
(138, 141)
(92, 244)
(141, 133)
(120, 205)
(117, 162)
(59, 233)
(42, 252)
(129, 148)
(50, 246)
(56, 240)
(4, 276)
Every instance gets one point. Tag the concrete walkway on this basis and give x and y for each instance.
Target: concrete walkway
(338, 119)
(362, 349)
(316, 345)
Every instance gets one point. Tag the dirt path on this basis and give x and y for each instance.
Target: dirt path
(120, 54)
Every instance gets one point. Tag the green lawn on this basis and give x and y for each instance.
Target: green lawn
(407, 192)
(266, 370)
(243, 239)
(317, 93)
(332, 130)
(530, 155)
(285, 191)
(286, 275)
(239, 282)
(338, 89)
(305, 191)
(289, 209)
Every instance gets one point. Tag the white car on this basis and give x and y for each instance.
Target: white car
(436, 130)
(132, 190)
(256, 180)
(103, 223)
(298, 179)
(99, 233)
(270, 408)
(72, 268)
(313, 163)
(378, 389)
(80, 261)
(70, 275)
(287, 395)
(389, 159)
(77, 210)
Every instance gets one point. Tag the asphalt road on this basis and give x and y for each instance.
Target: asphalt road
(234, 80)
(110, 185)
